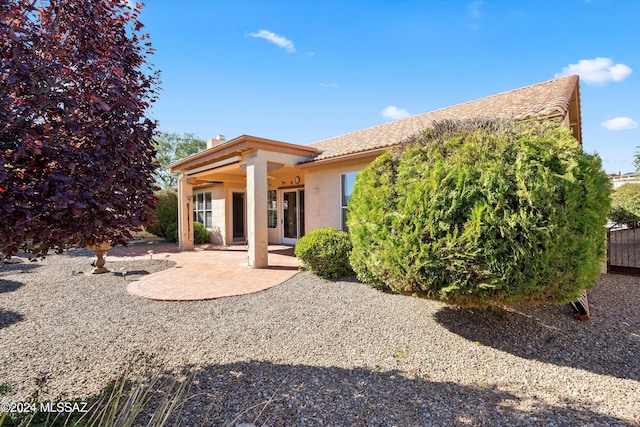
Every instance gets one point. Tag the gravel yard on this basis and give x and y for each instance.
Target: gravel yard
(313, 352)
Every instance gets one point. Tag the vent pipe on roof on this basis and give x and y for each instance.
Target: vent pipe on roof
(217, 141)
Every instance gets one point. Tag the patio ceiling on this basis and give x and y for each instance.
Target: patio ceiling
(235, 173)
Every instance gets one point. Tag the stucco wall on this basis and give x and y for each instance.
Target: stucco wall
(322, 197)
(217, 233)
(322, 192)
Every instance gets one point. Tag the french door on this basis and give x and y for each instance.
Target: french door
(292, 218)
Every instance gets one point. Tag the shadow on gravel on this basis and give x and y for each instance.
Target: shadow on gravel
(142, 248)
(134, 270)
(608, 344)
(134, 249)
(8, 318)
(131, 273)
(74, 253)
(263, 393)
(25, 267)
(9, 285)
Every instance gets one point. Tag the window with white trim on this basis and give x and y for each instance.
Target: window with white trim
(347, 181)
(202, 209)
(272, 209)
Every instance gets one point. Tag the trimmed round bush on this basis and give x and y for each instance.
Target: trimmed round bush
(325, 252)
(625, 203)
(200, 233)
(171, 233)
(482, 213)
(166, 213)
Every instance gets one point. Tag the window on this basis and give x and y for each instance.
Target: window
(272, 209)
(202, 211)
(348, 180)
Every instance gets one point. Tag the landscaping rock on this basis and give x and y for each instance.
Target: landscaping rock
(311, 352)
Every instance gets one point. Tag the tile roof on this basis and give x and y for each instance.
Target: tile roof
(547, 99)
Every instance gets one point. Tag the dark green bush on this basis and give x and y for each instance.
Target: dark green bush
(166, 213)
(480, 213)
(325, 252)
(171, 233)
(625, 203)
(200, 234)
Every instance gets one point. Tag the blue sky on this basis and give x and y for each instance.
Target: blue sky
(301, 71)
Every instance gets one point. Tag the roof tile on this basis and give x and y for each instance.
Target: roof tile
(550, 98)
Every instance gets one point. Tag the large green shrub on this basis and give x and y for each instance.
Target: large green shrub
(481, 213)
(625, 203)
(171, 233)
(325, 252)
(166, 213)
(200, 233)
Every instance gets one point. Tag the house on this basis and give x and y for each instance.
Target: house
(261, 191)
(618, 179)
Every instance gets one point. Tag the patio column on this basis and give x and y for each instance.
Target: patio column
(257, 210)
(185, 214)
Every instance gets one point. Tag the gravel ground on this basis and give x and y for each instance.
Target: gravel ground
(313, 352)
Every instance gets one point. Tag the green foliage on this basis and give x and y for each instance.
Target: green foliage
(482, 212)
(200, 233)
(4, 389)
(171, 147)
(625, 203)
(325, 252)
(171, 233)
(166, 213)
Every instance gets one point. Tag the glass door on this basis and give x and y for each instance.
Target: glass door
(289, 217)
(239, 217)
(292, 216)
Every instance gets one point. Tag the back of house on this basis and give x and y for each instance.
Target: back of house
(257, 191)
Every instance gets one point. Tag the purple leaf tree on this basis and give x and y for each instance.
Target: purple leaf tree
(76, 157)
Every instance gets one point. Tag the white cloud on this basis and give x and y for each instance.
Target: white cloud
(329, 85)
(620, 123)
(474, 9)
(279, 41)
(394, 113)
(597, 71)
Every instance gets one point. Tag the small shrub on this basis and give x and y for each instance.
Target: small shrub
(166, 213)
(200, 233)
(326, 252)
(171, 233)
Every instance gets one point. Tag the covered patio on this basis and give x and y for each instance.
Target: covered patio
(246, 191)
(207, 272)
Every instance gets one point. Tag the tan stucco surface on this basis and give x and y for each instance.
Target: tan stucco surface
(323, 192)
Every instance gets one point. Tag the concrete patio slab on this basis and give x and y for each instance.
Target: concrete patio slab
(208, 272)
